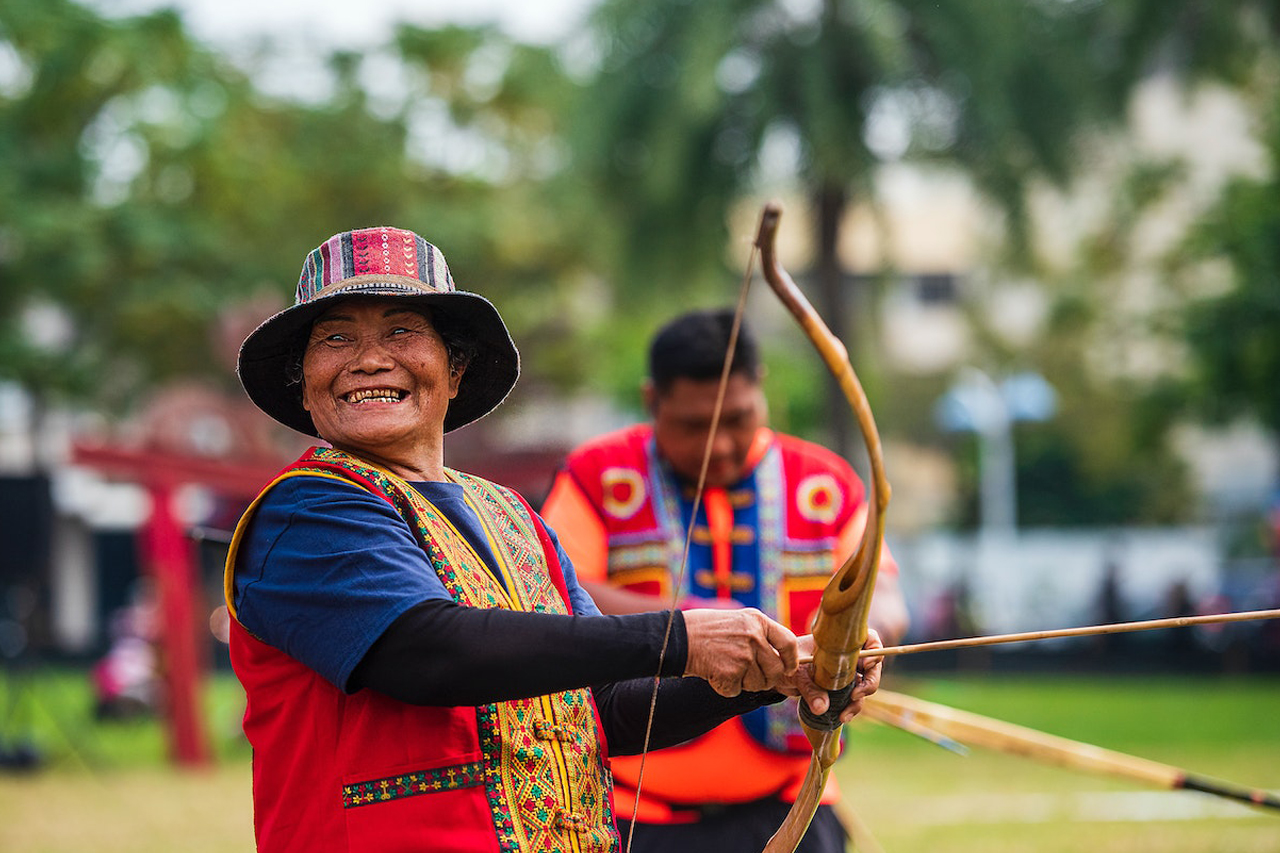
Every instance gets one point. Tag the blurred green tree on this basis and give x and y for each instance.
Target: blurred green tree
(1230, 324)
(1232, 328)
(151, 188)
(1110, 446)
(694, 102)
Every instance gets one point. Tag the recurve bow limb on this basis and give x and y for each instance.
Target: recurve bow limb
(841, 627)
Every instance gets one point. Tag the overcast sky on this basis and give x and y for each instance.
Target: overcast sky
(356, 23)
(303, 31)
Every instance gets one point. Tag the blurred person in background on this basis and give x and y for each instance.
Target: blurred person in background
(126, 681)
(423, 670)
(777, 517)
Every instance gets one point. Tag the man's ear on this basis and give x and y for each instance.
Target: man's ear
(649, 395)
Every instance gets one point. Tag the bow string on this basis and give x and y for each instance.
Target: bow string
(677, 584)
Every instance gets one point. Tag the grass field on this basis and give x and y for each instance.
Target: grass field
(107, 787)
(914, 796)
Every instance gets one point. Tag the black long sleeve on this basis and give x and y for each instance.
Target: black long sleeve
(686, 708)
(441, 653)
(431, 655)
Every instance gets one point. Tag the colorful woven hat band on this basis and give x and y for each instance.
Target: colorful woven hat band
(373, 255)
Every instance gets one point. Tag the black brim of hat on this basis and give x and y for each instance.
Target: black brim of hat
(264, 363)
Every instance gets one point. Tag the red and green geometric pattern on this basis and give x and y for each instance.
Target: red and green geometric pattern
(413, 784)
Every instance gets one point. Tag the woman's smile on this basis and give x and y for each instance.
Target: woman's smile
(375, 395)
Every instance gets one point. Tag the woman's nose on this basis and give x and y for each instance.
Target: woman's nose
(371, 355)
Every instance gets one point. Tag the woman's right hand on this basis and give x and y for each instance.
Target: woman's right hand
(736, 650)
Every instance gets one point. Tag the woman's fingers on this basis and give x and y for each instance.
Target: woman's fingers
(869, 669)
(866, 681)
(736, 650)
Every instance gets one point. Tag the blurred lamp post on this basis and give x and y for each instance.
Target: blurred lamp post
(976, 403)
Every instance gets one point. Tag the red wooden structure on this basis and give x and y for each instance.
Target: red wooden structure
(168, 557)
(174, 451)
(168, 458)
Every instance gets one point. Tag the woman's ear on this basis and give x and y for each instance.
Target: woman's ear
(455, 381)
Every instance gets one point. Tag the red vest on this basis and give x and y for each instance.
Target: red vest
(363, 772)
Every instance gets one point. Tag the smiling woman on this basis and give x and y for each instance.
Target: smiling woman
(378, 379)
(423, 669)
(383, 263)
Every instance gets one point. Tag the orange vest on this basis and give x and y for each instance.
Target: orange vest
(616, 512)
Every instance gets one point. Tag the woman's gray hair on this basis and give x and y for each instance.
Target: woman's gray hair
(459, 340)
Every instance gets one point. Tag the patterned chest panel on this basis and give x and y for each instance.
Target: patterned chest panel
(780, 556)
(660, 547)
(512, 536)
(544, 774)
(781, 563)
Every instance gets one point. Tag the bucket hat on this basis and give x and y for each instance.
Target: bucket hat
(382, 262)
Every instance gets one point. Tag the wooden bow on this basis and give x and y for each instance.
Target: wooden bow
(841, 627)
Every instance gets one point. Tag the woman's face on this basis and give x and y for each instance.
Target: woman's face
(376, 378)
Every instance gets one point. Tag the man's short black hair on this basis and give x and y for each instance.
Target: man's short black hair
(692, 346)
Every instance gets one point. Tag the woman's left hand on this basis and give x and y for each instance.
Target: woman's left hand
(866, 681)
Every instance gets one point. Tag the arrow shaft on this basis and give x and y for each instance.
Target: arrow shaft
(1084, 631)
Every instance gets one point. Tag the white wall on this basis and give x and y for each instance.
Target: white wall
(1042, 579)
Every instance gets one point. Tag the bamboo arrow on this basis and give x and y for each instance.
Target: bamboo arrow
(894, 708)
(1056, 633)
(912, 726)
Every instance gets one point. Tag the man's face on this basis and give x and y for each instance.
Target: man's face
(682, 422)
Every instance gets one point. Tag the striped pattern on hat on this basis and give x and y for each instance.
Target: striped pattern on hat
(373, 252)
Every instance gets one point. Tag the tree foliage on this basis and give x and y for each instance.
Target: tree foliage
(152, 191)
(1234, 335)
(698, 105)
(691, 97)
(150, 188)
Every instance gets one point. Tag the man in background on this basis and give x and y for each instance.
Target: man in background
(777, 517)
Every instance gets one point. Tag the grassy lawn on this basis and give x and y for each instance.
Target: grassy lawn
(107, 787)
(914, 796)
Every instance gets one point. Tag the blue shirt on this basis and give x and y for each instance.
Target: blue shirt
(325, 567)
